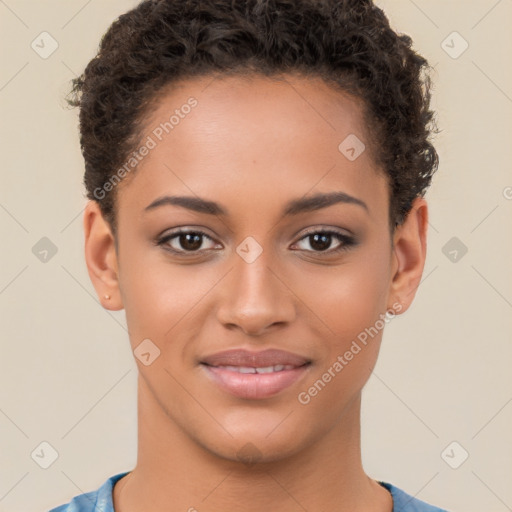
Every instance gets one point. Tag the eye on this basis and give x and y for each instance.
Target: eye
(184, 241)
(320, 241)
(192, 241)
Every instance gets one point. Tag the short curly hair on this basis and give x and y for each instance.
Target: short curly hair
(347, 43)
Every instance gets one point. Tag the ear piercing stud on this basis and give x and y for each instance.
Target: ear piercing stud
(107, 297)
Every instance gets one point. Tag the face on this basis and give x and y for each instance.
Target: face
(290, 271)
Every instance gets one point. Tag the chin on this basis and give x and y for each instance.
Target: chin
(251, 446)
(254, 452)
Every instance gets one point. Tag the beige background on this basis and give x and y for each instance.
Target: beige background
(67, 375)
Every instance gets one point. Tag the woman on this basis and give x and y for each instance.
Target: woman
(255, 173)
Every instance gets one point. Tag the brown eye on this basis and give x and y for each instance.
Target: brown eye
(190, 241)
(321, 240)
(184, 241)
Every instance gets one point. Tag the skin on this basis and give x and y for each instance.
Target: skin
(252, 145)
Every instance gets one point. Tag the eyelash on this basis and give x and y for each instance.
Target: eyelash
(347, 241)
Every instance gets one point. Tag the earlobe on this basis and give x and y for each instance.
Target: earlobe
(409, 254)
(101, 257)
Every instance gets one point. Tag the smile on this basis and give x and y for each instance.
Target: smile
(254, 375)
(263, 369)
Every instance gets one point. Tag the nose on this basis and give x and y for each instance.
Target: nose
(256, 297)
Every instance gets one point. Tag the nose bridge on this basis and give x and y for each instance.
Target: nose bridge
(256, 298)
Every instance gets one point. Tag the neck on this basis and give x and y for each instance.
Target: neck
(175, 473)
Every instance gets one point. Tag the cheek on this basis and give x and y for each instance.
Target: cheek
(356, 299)
(159, 297)
(350, 297)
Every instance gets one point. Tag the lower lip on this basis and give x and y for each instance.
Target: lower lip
(254, 385)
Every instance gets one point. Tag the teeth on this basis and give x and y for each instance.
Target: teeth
(246, 369)
(265, 369)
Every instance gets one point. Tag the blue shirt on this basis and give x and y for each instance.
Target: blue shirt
(101, 500)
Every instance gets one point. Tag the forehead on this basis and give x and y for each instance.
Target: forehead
(268, 107)
(268, 137)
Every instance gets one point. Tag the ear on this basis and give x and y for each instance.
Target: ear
(409, 253)
(101, 257)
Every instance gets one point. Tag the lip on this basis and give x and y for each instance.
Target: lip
(221, 369)
(261, 358)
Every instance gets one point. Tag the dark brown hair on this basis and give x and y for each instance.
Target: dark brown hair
(347, 43)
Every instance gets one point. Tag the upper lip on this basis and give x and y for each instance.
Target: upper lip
(260, 359)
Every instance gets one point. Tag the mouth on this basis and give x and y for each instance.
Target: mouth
(255, 375)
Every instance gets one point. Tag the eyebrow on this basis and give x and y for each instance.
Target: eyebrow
(294, 207)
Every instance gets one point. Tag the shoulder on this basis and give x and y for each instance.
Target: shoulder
(403, 502)
(99, 500)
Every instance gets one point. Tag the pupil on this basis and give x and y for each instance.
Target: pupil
(190, 244)
(324, 244)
